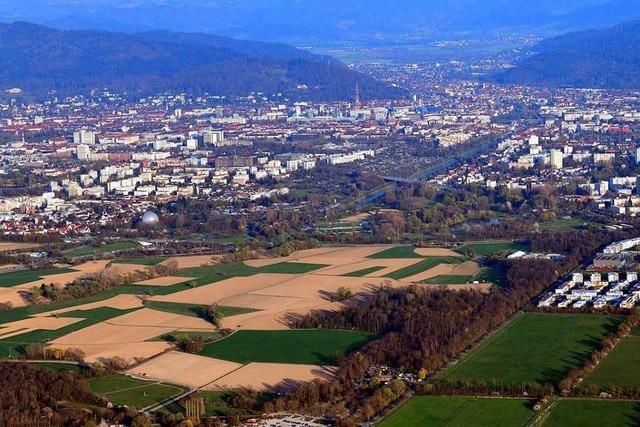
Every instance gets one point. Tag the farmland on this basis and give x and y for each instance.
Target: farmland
(462, 412)
(313, 347)
(620, 367)
(257, 299)
(124, 390)
(421, 267)
(535, 347)
(21, 277)
(592, 413)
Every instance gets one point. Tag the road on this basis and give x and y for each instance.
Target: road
(434, 169)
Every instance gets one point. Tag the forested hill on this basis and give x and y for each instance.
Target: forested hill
(608, 59)
(38, 59)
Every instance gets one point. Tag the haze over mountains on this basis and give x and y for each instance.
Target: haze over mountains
(38, 59)
(325, 21)
(608, 59)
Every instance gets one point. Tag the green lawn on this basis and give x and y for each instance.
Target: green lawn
(123, 390)
(149, 260)
(194, 310)
(21, 277)
(364, 272)
(562, 225)
(312, 347)
(494, 275)
(535, 347)
(422, 266)
(61, 367)
(592, 413)
(102, 249)
(436, 411)
(448, 280)
(397, 252)
(490, 248)
(620, 367)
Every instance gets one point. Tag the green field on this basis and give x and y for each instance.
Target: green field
(620, 367)
(21, 277)
(311, 347)
(15, 345)
(204, 276)
(123, 390)
(422, 266)
(364, 272)
(396, 252)
(291, 268)
(448, 280)
(562, 225)
(494, 275)
(103, 249)
(195, 310)
(149, 260)
(436, 411)
(490, 248)
(535, 347)
(61, 367)
(592, 413)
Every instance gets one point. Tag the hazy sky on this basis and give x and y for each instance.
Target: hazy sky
(324, 19)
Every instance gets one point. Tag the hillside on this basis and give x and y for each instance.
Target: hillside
(39, 59)
(607, 59)
(321, 22)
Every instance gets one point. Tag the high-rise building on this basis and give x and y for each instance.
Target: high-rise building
(84, 136)
(212, 137)
(636, 156)
(556, 159)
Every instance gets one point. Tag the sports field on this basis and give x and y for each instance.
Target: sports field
(310, 347)
(124, 390)
(461, 412)
(535, 347)
(592, 413)
(620, 368)
(490, 248)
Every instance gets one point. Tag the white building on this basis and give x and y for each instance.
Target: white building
(84, 136)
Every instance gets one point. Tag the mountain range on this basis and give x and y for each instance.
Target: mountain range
(38, 59)
(607, 58)
(325, 21)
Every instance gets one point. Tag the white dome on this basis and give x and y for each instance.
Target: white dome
(150, 218)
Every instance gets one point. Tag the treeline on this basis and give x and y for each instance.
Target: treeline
(421, 330)
(94, 284)
(576, 245)
(30, 397)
